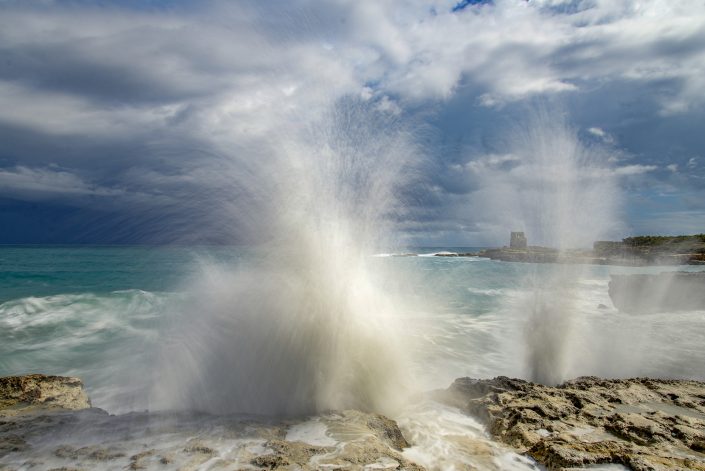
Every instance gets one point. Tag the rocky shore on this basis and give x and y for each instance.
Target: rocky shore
(641, 424)
(46, 423)
(537, 254)
(36, 392)
(631, 251)
(549, 255)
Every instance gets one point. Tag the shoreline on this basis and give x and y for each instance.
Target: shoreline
(568, 257)
(641, 423)
(588, 257)
(47, 422)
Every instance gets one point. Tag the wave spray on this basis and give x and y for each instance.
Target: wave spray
(302, 323)
(563, 194)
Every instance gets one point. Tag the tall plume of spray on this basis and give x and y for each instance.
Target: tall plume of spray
(301, 324)
(562, 193)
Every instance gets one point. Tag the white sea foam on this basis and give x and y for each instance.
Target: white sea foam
(435, 254)
(107, 339)
(563, 195)
(313, 431)
(445, 438)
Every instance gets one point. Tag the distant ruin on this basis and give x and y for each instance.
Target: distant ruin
(517, 240)
(630, 252)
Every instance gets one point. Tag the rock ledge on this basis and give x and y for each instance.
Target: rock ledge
(28, 393)
(46, 423)
(643, 424)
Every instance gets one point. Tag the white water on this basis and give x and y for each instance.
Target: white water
(303, 325)
(312, 323)
(476, 329)
(563, 194)
(309, 321)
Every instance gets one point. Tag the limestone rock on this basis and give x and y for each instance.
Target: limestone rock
(364, 440)
(50, 436)
(643, 424)
(21, 394)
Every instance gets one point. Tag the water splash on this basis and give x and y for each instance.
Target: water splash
(302, 324)
(561, 192)
(549, 329)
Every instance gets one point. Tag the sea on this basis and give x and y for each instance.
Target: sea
(102, 313)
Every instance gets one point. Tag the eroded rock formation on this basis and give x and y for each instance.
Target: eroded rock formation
(643, 424)
(35, 392)
(46, 423)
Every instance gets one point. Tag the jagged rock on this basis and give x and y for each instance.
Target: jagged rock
(43, 431)
(22, 394)
(366, 440)
(285, 453)
(388, 431)
(643, 424)
(526, 255)
(91, 453)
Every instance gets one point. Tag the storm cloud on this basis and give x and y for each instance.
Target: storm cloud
(120, 122)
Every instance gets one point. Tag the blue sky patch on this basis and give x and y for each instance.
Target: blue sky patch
(463, 4)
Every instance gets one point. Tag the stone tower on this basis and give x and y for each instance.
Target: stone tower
(517, 240)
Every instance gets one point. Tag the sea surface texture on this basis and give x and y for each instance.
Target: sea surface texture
(98, 313)
(107, 314)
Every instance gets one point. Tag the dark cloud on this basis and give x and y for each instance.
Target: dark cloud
(139, 122)
(463, 4)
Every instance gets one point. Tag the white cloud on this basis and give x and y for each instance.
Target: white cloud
(604, 136)
(42, 183)
(636, 169)
(65, 114)
(242, 78)
(491, 161)
(223, 58)
(550, 185)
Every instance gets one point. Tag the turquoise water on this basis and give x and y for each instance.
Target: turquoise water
(102, 313)
(48, 270)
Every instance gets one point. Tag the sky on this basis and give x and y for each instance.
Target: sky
(128, 122)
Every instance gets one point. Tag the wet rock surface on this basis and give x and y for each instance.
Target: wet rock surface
(35, 392)
(63, 433)
(93, 439)
(642, 424)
